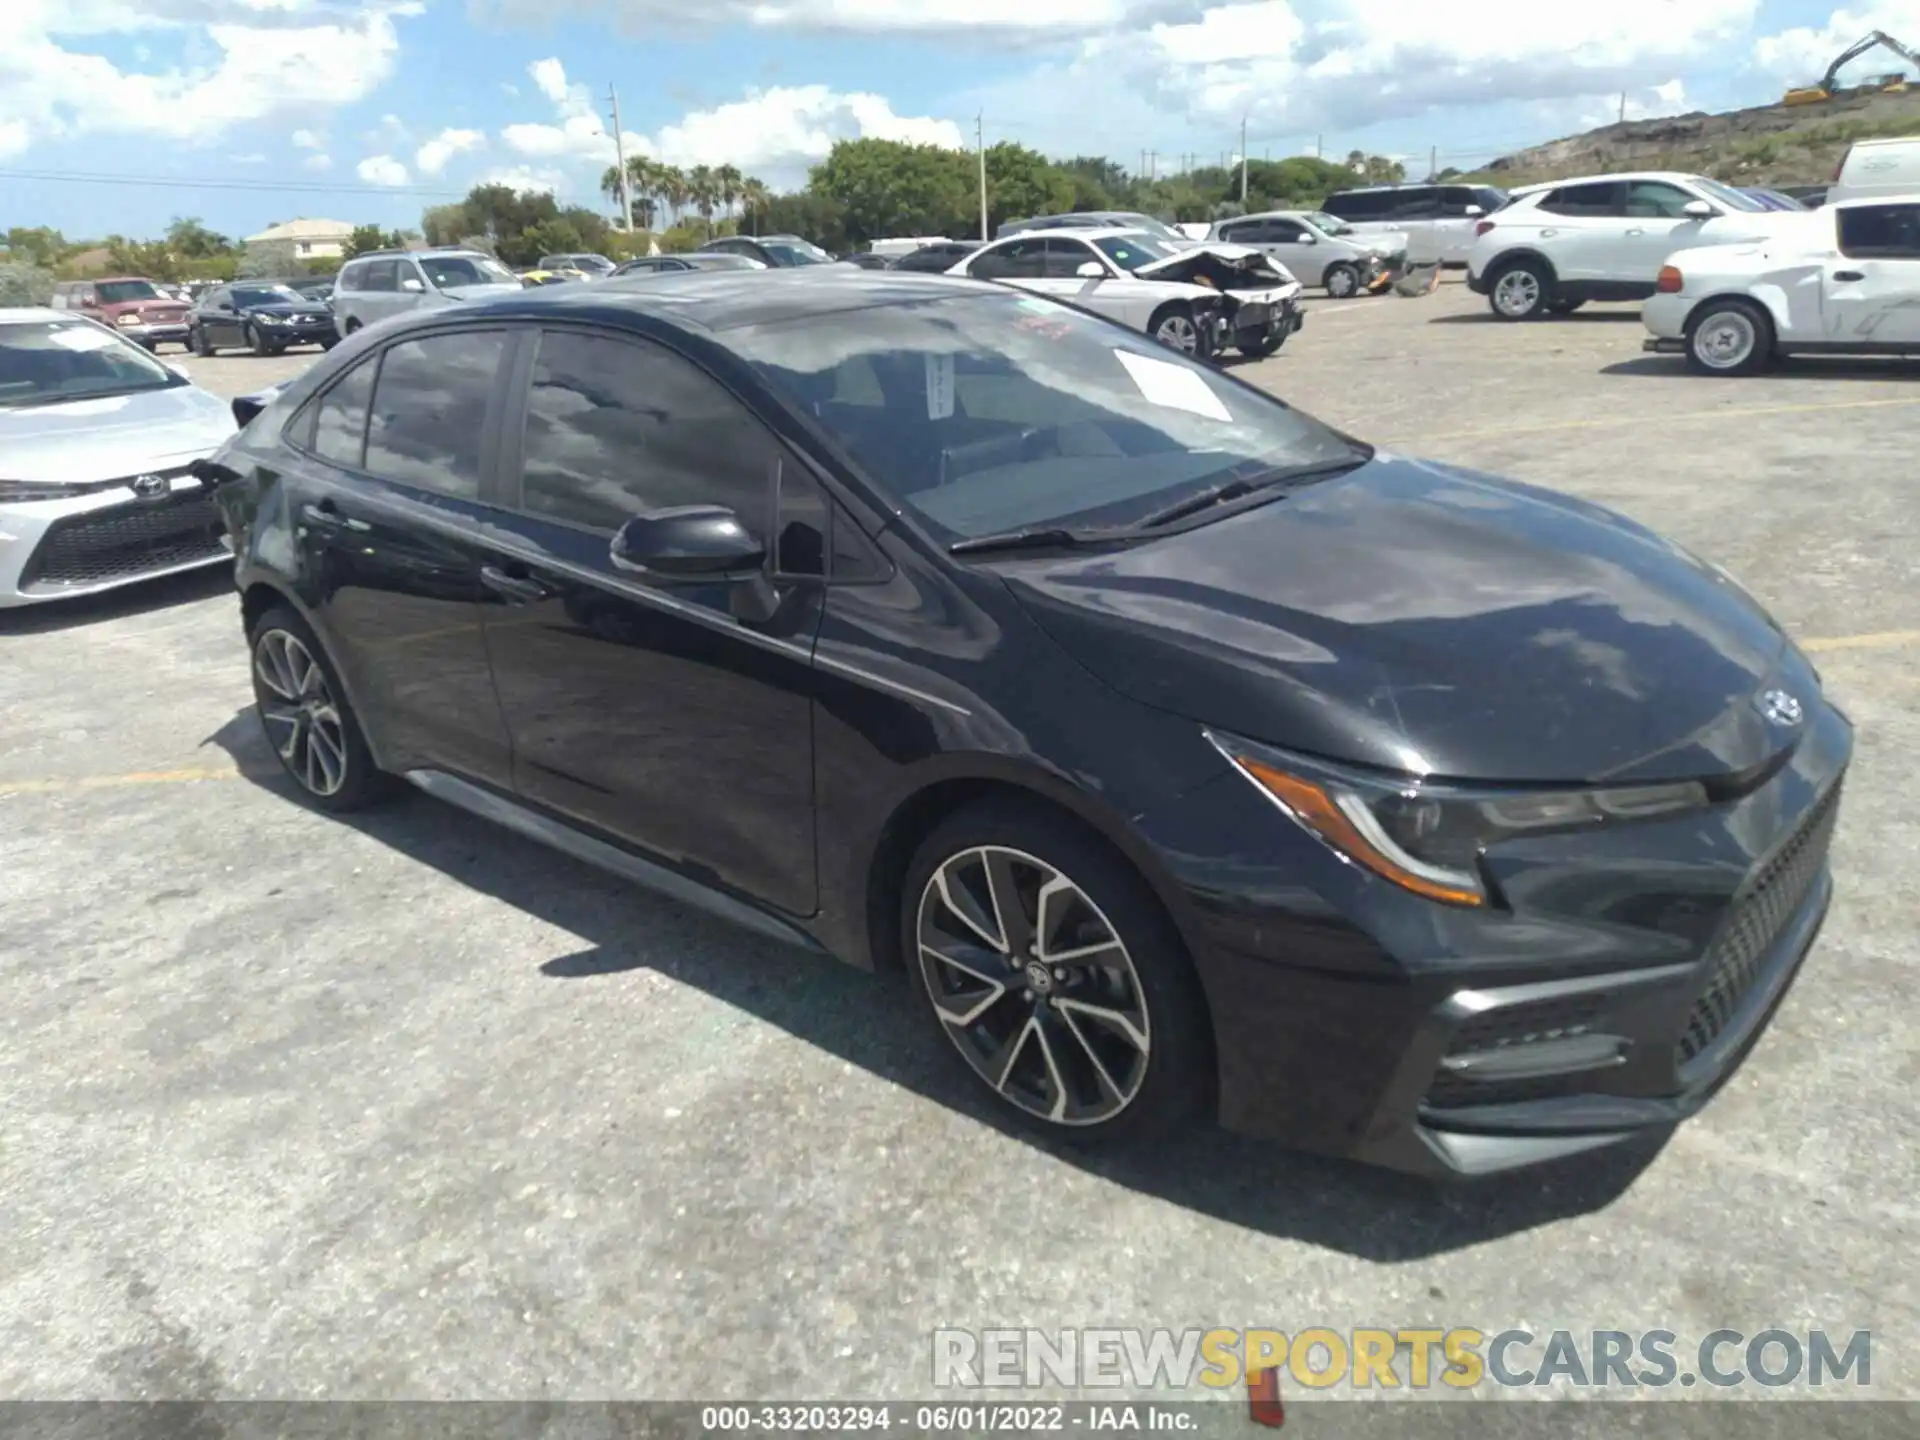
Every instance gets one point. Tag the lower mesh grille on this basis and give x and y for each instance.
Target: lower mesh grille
(1507, 1026)
(1755, 921)
(125, 542)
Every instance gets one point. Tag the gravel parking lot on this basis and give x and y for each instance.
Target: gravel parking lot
(407, 1107)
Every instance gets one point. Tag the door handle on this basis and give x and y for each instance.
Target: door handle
(1637, 230)
(326, 516)
(1550, 230)
(516, 588)
(1848, 275)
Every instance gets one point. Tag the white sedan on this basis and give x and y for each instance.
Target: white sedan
(1201, 300)
(1840, 280)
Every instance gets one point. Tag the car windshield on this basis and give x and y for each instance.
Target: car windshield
(264, 295)
(796, 252)
(986, 413)
(45, 362)
(1728, 196)
(450, 272)
(117, 292)
(1135, 249)
(1328, 224)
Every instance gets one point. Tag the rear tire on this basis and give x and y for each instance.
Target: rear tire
(352, 325)
(199, 344)
(1520, 290)
(1054, 978)
(256, 341)
(1729, 337)
(1341, 281)
(1565, 307)
(308, 723)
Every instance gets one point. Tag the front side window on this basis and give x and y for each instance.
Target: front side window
(987, 412)
(795, 252)
(1015, 260)
(430, 410)
(1130, 252)
(45, 362)
(617, 427)
(264, 295)
(450, 272)
(381, 275)
(1726, 195)
(1882, 232)
(118, 292)
(1655, 199)
(1424, 204)
(1065, 257)
(1328, 224)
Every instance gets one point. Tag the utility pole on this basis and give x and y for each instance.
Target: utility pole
(1243, 161)
(1142, 171)
(1623, 107)
(1318, 154)
(1433, 162)
(1153, 163)
(980, 144)
(620, 159)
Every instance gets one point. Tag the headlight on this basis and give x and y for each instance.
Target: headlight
(1429, 838)
(271, 319)
(128, 319)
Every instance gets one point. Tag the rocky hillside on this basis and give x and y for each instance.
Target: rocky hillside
(1766, 145)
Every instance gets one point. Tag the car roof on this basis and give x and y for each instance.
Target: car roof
(27, 314)
(1074, 232)
(716, 300)
(1854, 202)
(1520, 191)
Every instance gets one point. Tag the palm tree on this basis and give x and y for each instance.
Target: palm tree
(643, 186)
(703, 191)
(610, 185)
(671, 186)
(754, 195)
(727, 180)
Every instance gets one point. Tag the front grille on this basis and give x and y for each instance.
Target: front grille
(126, 541)
(1758, 915)
(1514, 1025)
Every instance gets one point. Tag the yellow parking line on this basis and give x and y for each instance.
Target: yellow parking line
(1621, 421)
(109, 782)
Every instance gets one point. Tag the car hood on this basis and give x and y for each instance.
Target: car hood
(157, 306)
(1223, 267)
(1429, 620)
(289, 308)
(78, 441)
(483, 290)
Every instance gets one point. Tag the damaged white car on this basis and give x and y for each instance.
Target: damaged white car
(1203, 300)
(1840, 280)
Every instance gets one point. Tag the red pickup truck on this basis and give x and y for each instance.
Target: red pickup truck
(132, 305)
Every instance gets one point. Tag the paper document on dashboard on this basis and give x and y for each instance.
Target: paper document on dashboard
(1175, 386)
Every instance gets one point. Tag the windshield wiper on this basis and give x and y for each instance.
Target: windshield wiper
(1043, 537)
(1283, 477)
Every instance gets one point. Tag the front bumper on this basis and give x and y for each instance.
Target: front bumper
(83, 544)
(1257, 317)
(1619, 980)
(313, 332)
(1665, 317)
(1476, 283)
(167, 332)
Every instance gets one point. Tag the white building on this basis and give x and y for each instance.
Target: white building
(305, 239)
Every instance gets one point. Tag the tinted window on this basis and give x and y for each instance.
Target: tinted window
(616, 427)
(1488, 198)
(214, 299)
(1282, 232)
(340, 417)
(1358, 204)
(430, 410)
(1597, 199)
(1655, 199)
(1130, 252)
(800, 542)
(43, 362)
(1016, 260)
(1243, 233)
(987, 412)
(450, 272)
(1888, 232)
(1065, 257)
(380, 275)
(1417, 203)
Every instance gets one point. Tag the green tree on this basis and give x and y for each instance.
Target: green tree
(703, 192)
(809, 214)
(590, 225)
(365, 238)
(882, 188)
(191, 240)
(1023, 182)
(754, 199)
(543, 237)
(38, 246)
(727, 181)
(149, 258)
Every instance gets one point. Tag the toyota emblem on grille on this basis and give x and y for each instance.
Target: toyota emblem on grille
(1779, 707)
(148, 486)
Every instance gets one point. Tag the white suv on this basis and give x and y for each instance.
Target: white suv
(385, 283)
(1602, 237)
(1315, 247)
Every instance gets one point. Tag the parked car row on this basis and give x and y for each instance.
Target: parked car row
(796, 593)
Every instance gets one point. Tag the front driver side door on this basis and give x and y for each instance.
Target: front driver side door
(1656, 225)
(644, 710)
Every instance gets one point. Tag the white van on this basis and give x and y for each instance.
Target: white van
(1877, 167)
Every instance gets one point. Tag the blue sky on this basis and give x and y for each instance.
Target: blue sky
(116, 115)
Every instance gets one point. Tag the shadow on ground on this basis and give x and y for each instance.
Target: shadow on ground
(118, 604)
(876, 1022)
(1587, 315)
(1790, 368)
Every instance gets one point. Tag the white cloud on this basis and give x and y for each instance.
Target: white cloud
(432, 157)
(317, 162)
(263, 57)
(308, 140)
(1801, 55)
(251, 158)
(526, 177)
(1042, 17)
(579, 135)
(381, 170)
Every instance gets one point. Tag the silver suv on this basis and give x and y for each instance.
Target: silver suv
(1316, 247)
(385, 283)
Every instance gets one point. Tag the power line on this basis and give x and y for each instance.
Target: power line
(181, 182)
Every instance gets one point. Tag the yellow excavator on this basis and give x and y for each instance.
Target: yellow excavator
(1829, 83)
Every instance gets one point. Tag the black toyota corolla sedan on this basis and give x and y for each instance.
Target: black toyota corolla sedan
(1191, 756)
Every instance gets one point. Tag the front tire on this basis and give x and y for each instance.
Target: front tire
(1729, 337)
(1055, 977)
(199, 343)
(1341, 282)
(1520, 290)
(1174, 327)
(308, 723)
(1263, 347)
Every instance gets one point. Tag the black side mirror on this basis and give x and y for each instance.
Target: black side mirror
(687, 544)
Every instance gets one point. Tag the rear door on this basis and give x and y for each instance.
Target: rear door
(217, 320)
(655, 712)
(387, 517)
(1579, 229)
(1871, 292)
(379, 296)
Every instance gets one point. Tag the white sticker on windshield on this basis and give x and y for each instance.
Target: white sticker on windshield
(939, 386)
(83, 337)
(1174, 386)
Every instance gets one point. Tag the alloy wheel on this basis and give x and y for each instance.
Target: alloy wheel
(1341, 282)
(1725, 340)
(298, 709)
(1180, 332)
(1517, 293)
(1034, 985)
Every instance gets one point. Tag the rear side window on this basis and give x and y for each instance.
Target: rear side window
(380, 275)
(339, 434)
(1021, 260)
(1881, 232)
(1415, 203)
(430, 410)
(615, 427)
(1597, 199)
(1357, 204)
